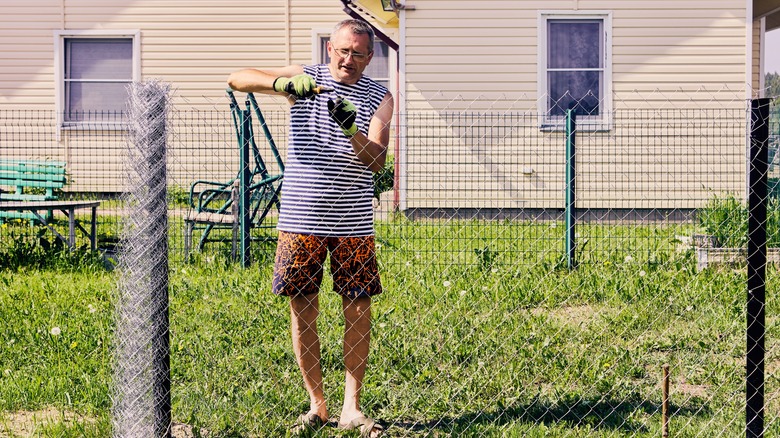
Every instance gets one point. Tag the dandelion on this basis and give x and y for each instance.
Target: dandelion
(642, 273)
(7, 372)
(74, 344)
(628, 259)
(408, 264)
(382, 325)
(55, 331)
(462, 293)
(239, 357)
(494, 270)
(447, 283)
(689, 308)
(91, 308)
(481, 364)
(484, 288)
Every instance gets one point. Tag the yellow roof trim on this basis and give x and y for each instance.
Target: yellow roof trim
(374, 8)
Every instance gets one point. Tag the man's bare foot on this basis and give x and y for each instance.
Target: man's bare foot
(369, 428)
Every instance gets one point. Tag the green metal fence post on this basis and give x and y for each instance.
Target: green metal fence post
(571, 133)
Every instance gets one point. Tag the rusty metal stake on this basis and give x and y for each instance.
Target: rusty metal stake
(665, 404)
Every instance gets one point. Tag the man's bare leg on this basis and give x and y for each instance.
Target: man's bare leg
(304, 310)
(357, 333)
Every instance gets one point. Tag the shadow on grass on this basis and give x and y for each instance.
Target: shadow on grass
(596, 412)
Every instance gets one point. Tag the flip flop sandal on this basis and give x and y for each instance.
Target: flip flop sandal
(307, 423)
(368, 427)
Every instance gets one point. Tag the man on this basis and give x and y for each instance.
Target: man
(337, 138)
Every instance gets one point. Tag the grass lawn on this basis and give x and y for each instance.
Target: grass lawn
(481, 331)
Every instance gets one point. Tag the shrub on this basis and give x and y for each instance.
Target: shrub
(727, 220)
(385, 178)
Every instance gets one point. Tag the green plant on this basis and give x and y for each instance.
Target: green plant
(178, 196)
(35, 247)
(486, 257)
(727, 220)
(385, 178)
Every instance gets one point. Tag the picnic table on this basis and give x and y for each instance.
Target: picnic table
(68, 208)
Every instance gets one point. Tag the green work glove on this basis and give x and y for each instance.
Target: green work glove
(343, 112)
(301, 86)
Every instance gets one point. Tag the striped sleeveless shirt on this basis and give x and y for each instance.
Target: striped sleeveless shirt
(327, 190)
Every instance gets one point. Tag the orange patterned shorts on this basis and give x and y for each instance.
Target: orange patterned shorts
(300, 259)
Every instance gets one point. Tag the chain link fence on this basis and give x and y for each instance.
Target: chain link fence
(485, 327)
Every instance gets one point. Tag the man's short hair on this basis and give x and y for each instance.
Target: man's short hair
(357, 27)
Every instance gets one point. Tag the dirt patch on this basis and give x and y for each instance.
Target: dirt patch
(22, 424)
(570, 315)
(701, 391)
(185, 431)
(30, 423)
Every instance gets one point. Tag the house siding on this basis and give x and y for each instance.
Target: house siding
(755, 80)
(193, 47)
(27, 53)
(461, 56)
(466, 57)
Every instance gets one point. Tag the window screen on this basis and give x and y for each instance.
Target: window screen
(575, 66)
(96, 74)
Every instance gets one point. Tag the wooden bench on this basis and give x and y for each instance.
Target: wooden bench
(24, 175)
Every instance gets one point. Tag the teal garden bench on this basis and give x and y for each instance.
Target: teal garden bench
(25, 175)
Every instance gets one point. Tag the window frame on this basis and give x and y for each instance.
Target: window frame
(602, 122)
(59, 70)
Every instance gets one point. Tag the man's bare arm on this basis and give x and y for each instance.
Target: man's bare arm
(252, 80)
(371, 149)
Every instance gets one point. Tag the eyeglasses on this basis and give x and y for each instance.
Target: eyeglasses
(357, 56)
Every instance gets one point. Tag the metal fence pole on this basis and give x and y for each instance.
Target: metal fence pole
(246, 133)
(571, 140)
(756, 267)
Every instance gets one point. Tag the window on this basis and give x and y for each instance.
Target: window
(94, 71)
(575, 65)
(378, 69)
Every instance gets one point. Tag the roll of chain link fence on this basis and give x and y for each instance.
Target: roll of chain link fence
(141, 386)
